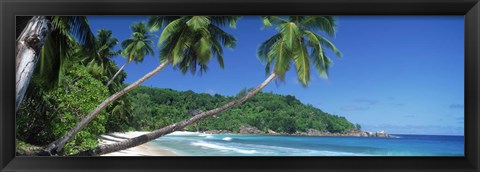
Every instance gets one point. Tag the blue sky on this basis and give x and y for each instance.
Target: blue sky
(400, 74)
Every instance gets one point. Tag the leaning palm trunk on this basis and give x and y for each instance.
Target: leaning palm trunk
(104, 149)
(116, 74)
(28, 49)
(56, 146)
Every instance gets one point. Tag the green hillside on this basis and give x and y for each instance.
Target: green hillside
(153, 108)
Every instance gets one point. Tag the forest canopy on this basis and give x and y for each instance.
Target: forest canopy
(157, 107)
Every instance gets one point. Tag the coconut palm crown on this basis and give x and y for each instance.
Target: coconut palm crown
(99, 64)
(136, 47)
(189, 42)
(139, 44)
(299, 41)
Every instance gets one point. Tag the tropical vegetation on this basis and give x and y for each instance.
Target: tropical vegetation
(89, 99)
(187, 41)
(265, 111)
(48, 40)
(136, 47)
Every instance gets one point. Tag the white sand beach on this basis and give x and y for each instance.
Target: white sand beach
(147, 149)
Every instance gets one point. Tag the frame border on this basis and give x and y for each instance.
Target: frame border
(469, 8)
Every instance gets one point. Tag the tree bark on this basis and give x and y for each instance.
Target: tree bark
(56, 146)
(104, 149)
(29, 44)
(116, 74)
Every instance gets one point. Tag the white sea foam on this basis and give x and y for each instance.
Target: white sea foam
(208, 136)
(183, 133)
(223, 148)
(227, 139)
(286, 151)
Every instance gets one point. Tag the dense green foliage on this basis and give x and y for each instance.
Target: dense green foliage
(161, 107)
(47, 114)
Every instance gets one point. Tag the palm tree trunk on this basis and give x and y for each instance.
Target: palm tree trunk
(29, 44)
(56, 146)
(116, 74)
(104, 149)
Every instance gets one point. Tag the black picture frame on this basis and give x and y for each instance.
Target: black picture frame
(10, 8)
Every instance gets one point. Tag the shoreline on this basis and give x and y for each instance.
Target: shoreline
(150, 149)
(245, 129)
(146, 149)
(217, 148)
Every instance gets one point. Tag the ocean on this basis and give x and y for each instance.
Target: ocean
(198, 144)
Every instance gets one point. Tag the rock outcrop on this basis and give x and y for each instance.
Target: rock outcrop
(354, 133)
(247, 129)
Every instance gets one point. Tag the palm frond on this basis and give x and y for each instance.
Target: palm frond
(78, 27)
(218, 52)
(198, 22)
(320, 61)
(191, 42)
(282, 56)
(297, 19)
(167, 47)
(326, 24)
(328, 44)
(225, 38)
(302, 63)
(272, 20)
(222, 21)
(295, 38)
(290, 32)
(54, 53)
(155, 23)
(265, 47)
(170, 29)
(202, 48)
(139, 44)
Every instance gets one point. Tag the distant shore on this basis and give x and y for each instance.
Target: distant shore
(245, 129)
(147, 149)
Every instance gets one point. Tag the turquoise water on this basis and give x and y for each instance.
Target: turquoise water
(197, 144)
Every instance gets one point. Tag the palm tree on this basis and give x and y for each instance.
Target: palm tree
(136, 47)
(47, 39)
(99, 64)
(103, 68)
(189, 42)
(186, 42)
(296, 36)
